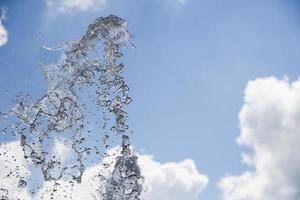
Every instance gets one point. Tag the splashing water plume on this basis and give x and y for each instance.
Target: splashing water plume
(81, 86)
(125, 182)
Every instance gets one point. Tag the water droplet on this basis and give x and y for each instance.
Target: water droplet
(22, 183)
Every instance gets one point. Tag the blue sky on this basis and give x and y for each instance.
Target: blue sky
(187, 75)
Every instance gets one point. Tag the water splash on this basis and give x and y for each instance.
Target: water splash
(125, 182)
(74, 72)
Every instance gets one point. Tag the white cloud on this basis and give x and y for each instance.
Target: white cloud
(13, 170)
(172, 181)
(168, 181)
(68, 6)
(60, 149)
(88, 189)
(3, 31)
(3, 35)
(270, 125)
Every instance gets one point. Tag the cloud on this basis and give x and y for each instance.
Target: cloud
(13, 171)
(88, 189)
(172, 181)
(270, 126)
(69, 6)
(60, 149)
(3, 34)
(168, 181)
(3, 31)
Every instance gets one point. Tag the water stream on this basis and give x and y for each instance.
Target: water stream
(82, 108)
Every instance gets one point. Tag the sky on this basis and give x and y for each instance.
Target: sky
(214, 85)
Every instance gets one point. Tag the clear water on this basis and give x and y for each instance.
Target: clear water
(85, 89)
